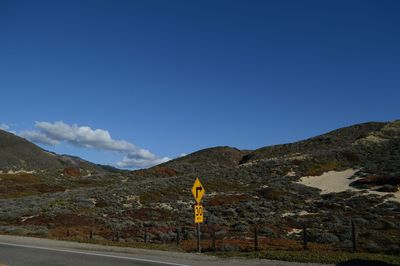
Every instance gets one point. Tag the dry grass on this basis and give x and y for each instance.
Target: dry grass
(22, 185)
(328, 257)
(319, 168)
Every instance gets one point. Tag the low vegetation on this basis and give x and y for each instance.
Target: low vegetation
(69, 198)
(328, 257)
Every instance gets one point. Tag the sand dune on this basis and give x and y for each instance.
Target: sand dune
(338, 181)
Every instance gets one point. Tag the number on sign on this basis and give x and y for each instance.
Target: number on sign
(199, 210)
(198, 213)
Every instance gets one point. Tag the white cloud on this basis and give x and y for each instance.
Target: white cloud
(140, 163)
(39, 137)
(7, 128)
(83, 136)
(4, 126)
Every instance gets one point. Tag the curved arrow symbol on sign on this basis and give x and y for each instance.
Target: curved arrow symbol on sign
(197, 191)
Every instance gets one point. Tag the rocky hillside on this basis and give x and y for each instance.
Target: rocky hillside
(203, 160)
(18, 154)
(324, 182)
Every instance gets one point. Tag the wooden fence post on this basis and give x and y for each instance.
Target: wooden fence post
(305, 240)
(353, 235)
(255, 239)
(213, 239)
(178, 237)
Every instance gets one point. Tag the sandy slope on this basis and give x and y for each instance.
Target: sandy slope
(338, 181)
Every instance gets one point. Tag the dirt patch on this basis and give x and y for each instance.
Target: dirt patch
(168, 171)
(72, 171)
(61, 220)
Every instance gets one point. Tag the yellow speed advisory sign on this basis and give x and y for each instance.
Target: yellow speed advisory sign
(198, 213)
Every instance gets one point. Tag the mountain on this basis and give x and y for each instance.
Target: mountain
(18, 154)
(211, 158)
(337, 140)
(372, 146)
(351, 173)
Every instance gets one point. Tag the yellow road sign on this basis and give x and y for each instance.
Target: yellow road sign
(198, 190)
(198, 213)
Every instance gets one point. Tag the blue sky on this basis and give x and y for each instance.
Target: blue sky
(172, 77)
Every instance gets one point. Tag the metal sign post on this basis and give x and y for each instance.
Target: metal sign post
(198, 192)
(198, 238)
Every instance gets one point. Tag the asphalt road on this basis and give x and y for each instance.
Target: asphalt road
(27, 255)
(24, 251)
